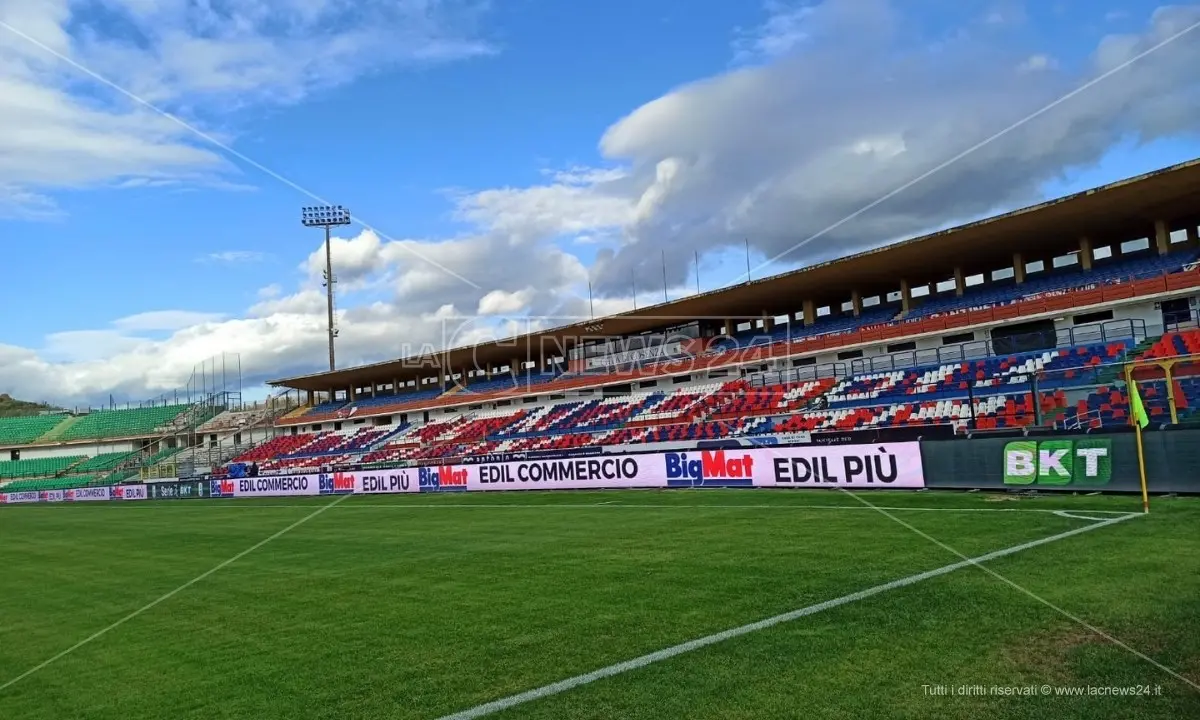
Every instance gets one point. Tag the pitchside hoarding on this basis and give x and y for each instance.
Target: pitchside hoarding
(88, 494)
(896, 465)
(14, 498)
(615, 471)
(889, 465)
(342, 483)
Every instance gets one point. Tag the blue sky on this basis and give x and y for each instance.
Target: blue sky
(526, 146)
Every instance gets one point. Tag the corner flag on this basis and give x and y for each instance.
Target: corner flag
(1136, 408)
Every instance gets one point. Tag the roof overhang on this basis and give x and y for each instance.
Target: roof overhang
(1113, 213)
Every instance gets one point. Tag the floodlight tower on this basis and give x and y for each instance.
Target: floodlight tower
(328, 217)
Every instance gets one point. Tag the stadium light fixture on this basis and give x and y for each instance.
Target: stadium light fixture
(327, 217)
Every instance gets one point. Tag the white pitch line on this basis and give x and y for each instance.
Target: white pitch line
(675, 650)
(171, 594)
(1077, 515)
(615, 504)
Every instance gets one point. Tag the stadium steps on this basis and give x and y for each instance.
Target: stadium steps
(58, 431)
(297, 412)
(1113, 374)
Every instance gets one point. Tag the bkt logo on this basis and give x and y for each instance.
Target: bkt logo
(221, 488)
(1058, 462)
(335, 484)
(710, 465)
(442, 478)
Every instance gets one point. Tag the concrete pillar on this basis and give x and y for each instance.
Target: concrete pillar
(1162, 236)
(768, 322)
(1085, 253)
(810, 312)
(905, 296)
(960, 283)
(374, 388)
(310, 395)
(1193, 237)
(1018, 268)
(856, 302)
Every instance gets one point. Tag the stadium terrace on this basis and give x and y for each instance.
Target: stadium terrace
(1018, 321)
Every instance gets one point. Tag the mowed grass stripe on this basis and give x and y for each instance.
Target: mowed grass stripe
(167, 596)
(571, 683)
(1139, 581)
(386, 615)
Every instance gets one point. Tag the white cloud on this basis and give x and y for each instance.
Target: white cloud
(165, 320)
(236, 257)
(501, 302)
(1036, 63)
(773, 152)
(354, 259)
(60, 128)
(785, 29)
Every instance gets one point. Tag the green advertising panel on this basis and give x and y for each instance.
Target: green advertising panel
(1058, 462)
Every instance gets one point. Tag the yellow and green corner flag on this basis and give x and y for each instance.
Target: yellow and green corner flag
(1136, 407)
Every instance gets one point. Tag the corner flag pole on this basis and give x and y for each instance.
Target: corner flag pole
(1137, 415)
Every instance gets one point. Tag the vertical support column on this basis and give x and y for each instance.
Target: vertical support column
(1193, 237)
(374, 388)
(1170, 367)
(1018, 268)
(905, 296)
(1085, 253)
(810, 312)
(728, 326)
(310, 395)
(856, 302)
(768, 322)
(960, 283)
(1162, 236)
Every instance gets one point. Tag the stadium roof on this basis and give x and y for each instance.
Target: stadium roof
(1112, 213)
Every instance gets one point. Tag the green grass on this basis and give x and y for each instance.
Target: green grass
(421, 606)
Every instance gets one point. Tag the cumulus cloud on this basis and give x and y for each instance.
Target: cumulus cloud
(235, 257)
(773, 151)
(780, 152)
(61, 126)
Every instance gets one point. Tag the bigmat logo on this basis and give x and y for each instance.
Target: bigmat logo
(222, 488)
(445, 477)
(1058, 462)
(335, 484)
(711, 467)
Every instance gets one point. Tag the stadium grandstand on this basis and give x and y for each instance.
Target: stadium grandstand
(1014, 321)
(188, 432)
(1011, 322)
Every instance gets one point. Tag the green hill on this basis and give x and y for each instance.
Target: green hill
(11, 407)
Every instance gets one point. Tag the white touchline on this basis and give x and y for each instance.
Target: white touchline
(1032, 595)
(171, 594)
(675, 650)
(612, 504)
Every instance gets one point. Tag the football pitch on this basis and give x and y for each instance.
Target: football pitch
(641, 604)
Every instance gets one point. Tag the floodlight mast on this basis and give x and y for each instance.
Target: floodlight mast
(327, 217)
